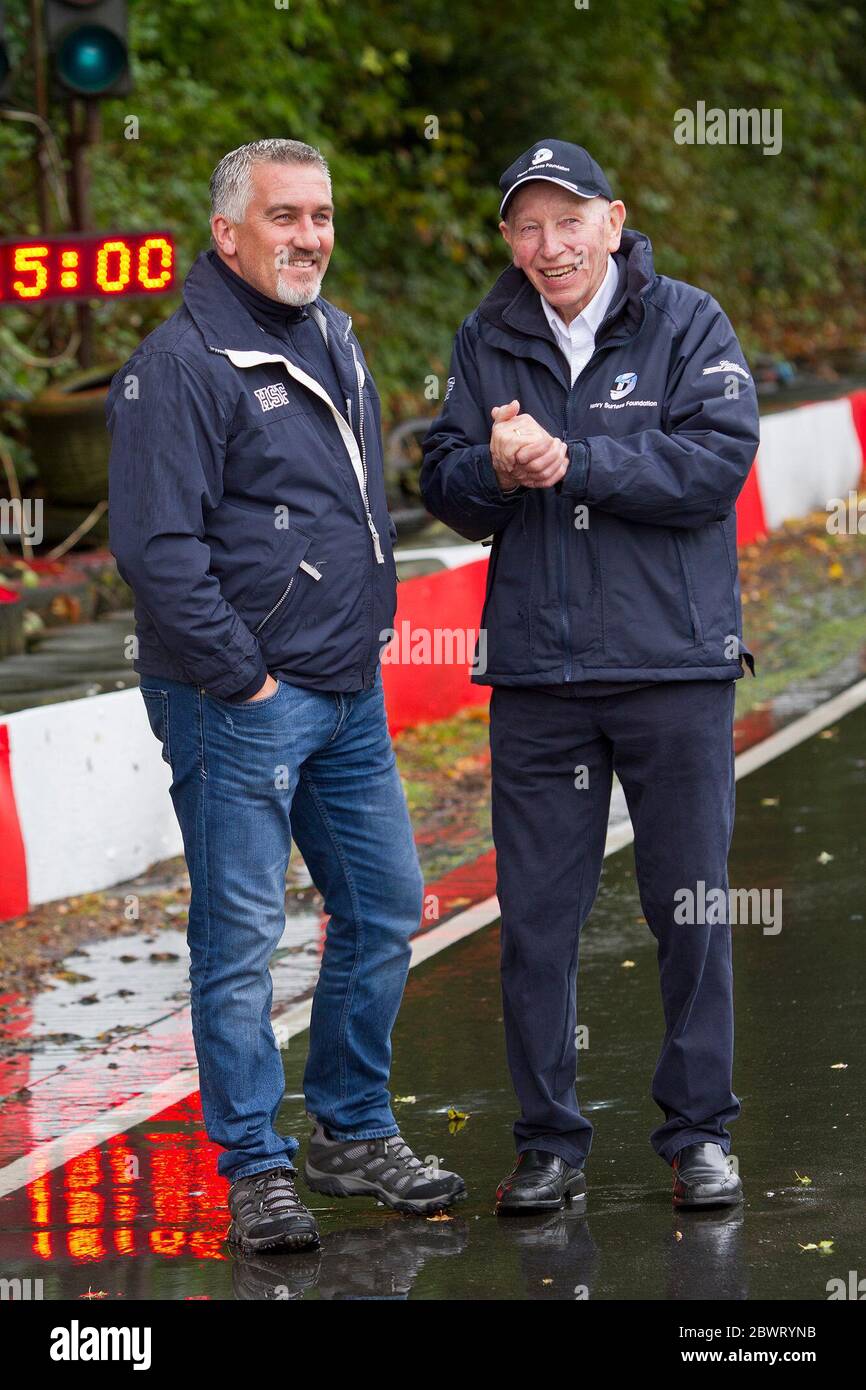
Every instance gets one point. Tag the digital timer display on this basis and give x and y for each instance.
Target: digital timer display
(86, 265)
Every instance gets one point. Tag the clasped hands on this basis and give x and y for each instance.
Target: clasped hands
(522, 452)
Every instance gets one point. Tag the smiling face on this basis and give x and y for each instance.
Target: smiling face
(561, 242)
(285, 241)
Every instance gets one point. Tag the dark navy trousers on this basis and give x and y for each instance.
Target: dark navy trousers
(671, 745)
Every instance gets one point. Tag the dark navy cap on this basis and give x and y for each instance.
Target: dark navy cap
(556, 161)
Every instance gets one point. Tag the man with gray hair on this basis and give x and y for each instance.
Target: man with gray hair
(247, 512)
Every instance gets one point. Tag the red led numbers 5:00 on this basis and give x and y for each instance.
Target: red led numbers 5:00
(92, 265)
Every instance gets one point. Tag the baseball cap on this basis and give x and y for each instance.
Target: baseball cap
(556, 161)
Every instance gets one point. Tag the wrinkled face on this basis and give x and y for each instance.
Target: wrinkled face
(561, 242)
(285, 241)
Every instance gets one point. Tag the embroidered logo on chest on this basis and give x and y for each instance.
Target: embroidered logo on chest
(269, 397)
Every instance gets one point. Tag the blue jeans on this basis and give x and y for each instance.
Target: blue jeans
(319, 768)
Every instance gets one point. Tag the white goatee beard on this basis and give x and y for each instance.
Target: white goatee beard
(298, 295)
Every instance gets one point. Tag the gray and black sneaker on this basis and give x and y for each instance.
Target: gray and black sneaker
(268, 1214)
(385, 1169)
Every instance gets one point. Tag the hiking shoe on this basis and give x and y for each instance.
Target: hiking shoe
(385, 1169)
(268, 1214)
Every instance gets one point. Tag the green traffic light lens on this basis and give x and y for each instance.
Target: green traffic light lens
(91, 59)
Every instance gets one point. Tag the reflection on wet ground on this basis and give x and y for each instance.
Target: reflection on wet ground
(115, 1022)
(143, 1215)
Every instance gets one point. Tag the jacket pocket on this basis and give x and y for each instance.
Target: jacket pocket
(255, 559)
(650, 618)
(504, 617)
(156, 705)
(706, 552)
(688, 581)
(283, 600)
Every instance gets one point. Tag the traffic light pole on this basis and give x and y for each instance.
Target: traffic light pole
(41, 103)
(84, 130)
(52, 325)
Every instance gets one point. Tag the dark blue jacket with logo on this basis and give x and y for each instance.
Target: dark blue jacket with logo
(246, 512)
(627, 569)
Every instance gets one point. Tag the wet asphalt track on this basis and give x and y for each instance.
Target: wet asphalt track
(142, 1216)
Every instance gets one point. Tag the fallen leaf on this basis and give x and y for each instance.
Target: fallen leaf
(456, 1119)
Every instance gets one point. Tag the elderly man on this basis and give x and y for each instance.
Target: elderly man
(248, 514)
(624, 426)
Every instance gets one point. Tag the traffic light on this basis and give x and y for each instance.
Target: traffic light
(88, 48)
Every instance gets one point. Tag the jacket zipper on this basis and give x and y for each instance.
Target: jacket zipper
(283, 595)
(380, 558)
(563, 606)
(563, 554)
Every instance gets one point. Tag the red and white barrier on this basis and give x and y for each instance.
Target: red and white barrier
(807, 456)
(84, 798)
(88, 789)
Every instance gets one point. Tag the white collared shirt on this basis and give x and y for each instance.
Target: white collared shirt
(577, 340)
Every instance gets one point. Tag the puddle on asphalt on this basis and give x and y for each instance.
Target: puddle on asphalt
(114, 1022)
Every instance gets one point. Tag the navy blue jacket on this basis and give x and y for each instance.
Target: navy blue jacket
(246, 512)
(626, 569)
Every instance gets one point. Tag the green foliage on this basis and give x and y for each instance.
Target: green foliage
(778, 239)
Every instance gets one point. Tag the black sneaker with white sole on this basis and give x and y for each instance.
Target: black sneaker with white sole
(268, 1214)
(386, 1169)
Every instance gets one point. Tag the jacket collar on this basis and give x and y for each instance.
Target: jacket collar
(224, 323)
(514, 305)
